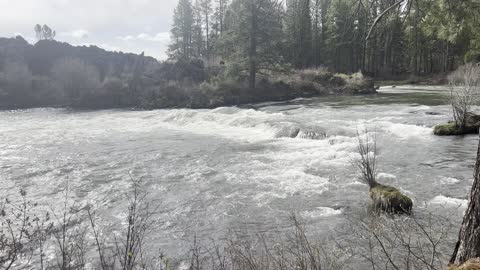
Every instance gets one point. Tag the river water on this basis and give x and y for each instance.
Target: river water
(213, 171)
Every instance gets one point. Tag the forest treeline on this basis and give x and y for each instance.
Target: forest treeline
(56, 74)
(379, 37)
(230, 52)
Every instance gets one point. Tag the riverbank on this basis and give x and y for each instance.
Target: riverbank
(218, 92)
(56, 74)
(410, 79)
(221, 92)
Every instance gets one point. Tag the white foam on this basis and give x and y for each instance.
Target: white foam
(276, 182)
(386, 176)
(290, 181)
(320, 212)
(448, 180)
(405, 131)
(448, 201)
(311, 153)
(263, 198)
(356, 183)
(232, 122)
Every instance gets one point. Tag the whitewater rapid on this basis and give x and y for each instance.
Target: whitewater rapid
(232, 168)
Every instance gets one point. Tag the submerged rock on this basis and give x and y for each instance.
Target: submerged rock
(287, 132)
(311, 134)
(389, 199)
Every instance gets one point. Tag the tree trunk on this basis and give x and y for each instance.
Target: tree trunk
(316, 37)
(323, 20)
(222, 14)
(252, 55)
(417, 8)
(447, 51)
(207, 34)
(431, 61)
(364, 56)
(468, 245)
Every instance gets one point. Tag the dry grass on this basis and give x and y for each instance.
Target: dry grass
(472, 264)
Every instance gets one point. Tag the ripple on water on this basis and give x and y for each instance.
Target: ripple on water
(230, 164)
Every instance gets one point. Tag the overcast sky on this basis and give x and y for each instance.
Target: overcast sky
(120, 25)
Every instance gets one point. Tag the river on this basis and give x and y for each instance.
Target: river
(231, 168)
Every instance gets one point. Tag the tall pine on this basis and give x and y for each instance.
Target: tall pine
(299, 32)
(181, 33)
(254, 35)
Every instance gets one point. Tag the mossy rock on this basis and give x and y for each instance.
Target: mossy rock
(472, 264)
(451, 129)
(391, 200)
(448, 129)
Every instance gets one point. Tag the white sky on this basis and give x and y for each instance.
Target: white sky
(119, 25)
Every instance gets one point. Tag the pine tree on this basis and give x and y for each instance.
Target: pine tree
(254, 35)
(198, 43)
(299, 32)
(220, 13)
(44, 32)
(206, 11)
(384, 37)
(181, 46)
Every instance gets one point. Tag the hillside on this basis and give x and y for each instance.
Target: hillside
(56, 74)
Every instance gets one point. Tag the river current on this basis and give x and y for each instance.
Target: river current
(231, 168)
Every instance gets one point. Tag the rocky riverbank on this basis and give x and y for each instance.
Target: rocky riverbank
(298, 84)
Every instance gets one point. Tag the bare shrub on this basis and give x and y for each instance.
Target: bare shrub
(356, 79)
(24, 235)
(464, 92)
(296, 249)
(22, 231)
(416, 242)
(386, 242)
(129, 245)
(366, 162)
(68, 235)
(125, 248)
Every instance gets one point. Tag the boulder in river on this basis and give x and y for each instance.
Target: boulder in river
(452, 128)
(389, 199)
